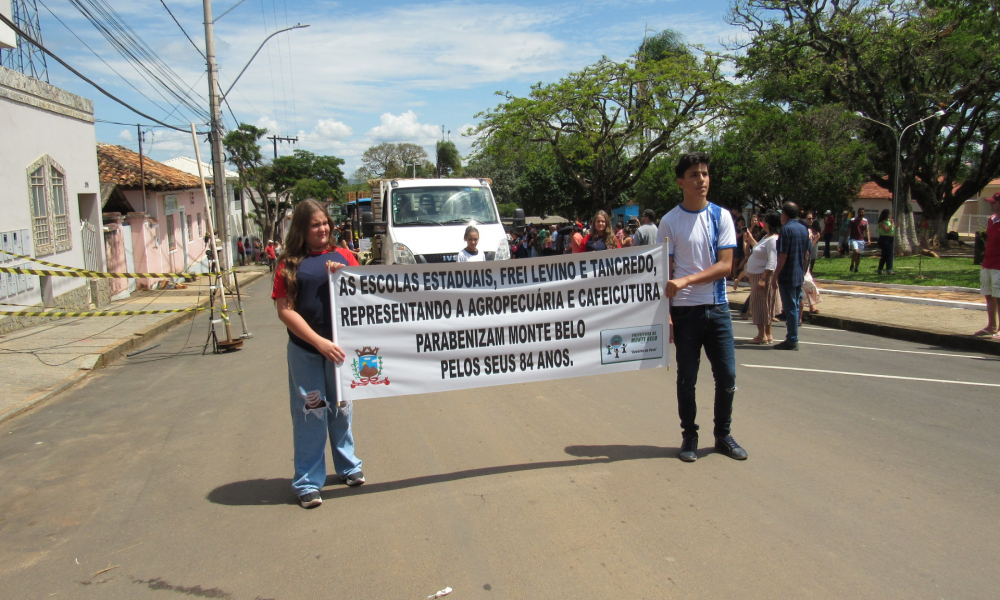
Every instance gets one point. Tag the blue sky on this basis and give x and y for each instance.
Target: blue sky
(363, 72)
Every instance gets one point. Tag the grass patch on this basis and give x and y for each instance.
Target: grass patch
(937, 271)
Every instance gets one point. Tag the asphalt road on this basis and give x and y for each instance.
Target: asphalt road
(172, 470)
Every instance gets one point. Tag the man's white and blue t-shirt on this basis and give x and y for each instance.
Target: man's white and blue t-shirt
(695, 241)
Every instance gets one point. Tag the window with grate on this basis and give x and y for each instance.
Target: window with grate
(50, 218)
(171, 238)
(60, 216)
(201, 231)
(190, 229)
(40, 212)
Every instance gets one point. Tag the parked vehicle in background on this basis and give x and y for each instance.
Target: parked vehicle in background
(418, 221)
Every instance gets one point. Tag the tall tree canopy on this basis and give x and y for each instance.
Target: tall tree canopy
(605, 123)
(306, 175)
(897, 62)
(767, 155)
(243, 148)
(449, 162)
(387, 160)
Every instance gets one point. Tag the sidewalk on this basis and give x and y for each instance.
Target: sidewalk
(935, 316)
(40, 361)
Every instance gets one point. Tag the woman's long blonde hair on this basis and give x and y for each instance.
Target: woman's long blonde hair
(610, 241)
(296, 245)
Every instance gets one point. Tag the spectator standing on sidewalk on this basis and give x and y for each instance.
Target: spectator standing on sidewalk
(271, 255)
(886, 241)
(829, 222)
(646, 234)
(793, 252)
(761, 264)
(989, 278)
(845, 230)
(859, 238)
(702, 238)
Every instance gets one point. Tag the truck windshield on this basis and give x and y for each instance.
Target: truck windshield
(459, 205)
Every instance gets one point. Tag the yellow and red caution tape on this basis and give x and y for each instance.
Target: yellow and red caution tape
(95, 313)
(97, 274)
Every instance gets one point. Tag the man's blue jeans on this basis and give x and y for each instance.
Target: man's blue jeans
(315, 415)
(791, 304)
(710, 327)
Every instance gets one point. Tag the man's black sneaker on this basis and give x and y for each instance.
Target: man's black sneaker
(310, 500)
(355, 479)
(786, 345)
(728, 446)
(689, 448)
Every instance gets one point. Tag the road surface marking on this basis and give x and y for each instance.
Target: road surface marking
(871, 375)
(886, 349)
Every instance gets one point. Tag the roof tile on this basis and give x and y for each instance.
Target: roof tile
(120, 166)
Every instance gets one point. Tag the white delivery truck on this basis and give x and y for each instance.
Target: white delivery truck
(418, 221)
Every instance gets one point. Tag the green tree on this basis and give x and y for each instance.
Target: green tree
(243, 148)
(449, 162)
(306, 175)
(767, 155)
(897, 62)
(389, 161)
(606, 123)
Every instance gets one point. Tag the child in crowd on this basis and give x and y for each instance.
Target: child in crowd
(470, 253)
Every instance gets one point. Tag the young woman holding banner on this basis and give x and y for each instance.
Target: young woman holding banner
(601, 236)
(302, 295)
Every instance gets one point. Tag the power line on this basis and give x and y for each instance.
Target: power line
(146, 62)
(270, 66)
(113, 70)
(29, 39)
(182, 29)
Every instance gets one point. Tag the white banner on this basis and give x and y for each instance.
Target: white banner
(415, 329)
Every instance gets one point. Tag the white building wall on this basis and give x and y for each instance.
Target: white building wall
(38, 119)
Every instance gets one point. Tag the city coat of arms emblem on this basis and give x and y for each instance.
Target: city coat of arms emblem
(367, 368)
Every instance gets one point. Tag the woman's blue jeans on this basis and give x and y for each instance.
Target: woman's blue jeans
(316, 415)
(710, 327)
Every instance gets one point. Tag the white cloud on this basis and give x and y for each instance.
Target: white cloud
(126, 135)
(333, 128)
(269, 124)
(404, 128)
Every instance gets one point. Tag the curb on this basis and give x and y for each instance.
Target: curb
(111, 353)
(907, 299)
(900, 286)
(920, 336)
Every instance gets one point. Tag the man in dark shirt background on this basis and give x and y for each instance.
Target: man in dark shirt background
(793, 250)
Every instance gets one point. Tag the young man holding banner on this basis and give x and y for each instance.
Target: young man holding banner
(702, 238)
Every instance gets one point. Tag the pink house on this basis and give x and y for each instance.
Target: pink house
(163, 227)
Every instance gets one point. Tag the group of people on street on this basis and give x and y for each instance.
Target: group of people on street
(775, 253)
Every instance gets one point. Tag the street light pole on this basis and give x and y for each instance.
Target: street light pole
(899, 150)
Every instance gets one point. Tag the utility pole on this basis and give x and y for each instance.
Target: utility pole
(142, 167)
(278, 138)
(218, 165)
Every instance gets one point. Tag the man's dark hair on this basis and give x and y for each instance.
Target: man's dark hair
(690, 159)
(790, 209)
(650, 214)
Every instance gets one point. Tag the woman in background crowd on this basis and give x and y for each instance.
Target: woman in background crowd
(886, 241)
(760, 269)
